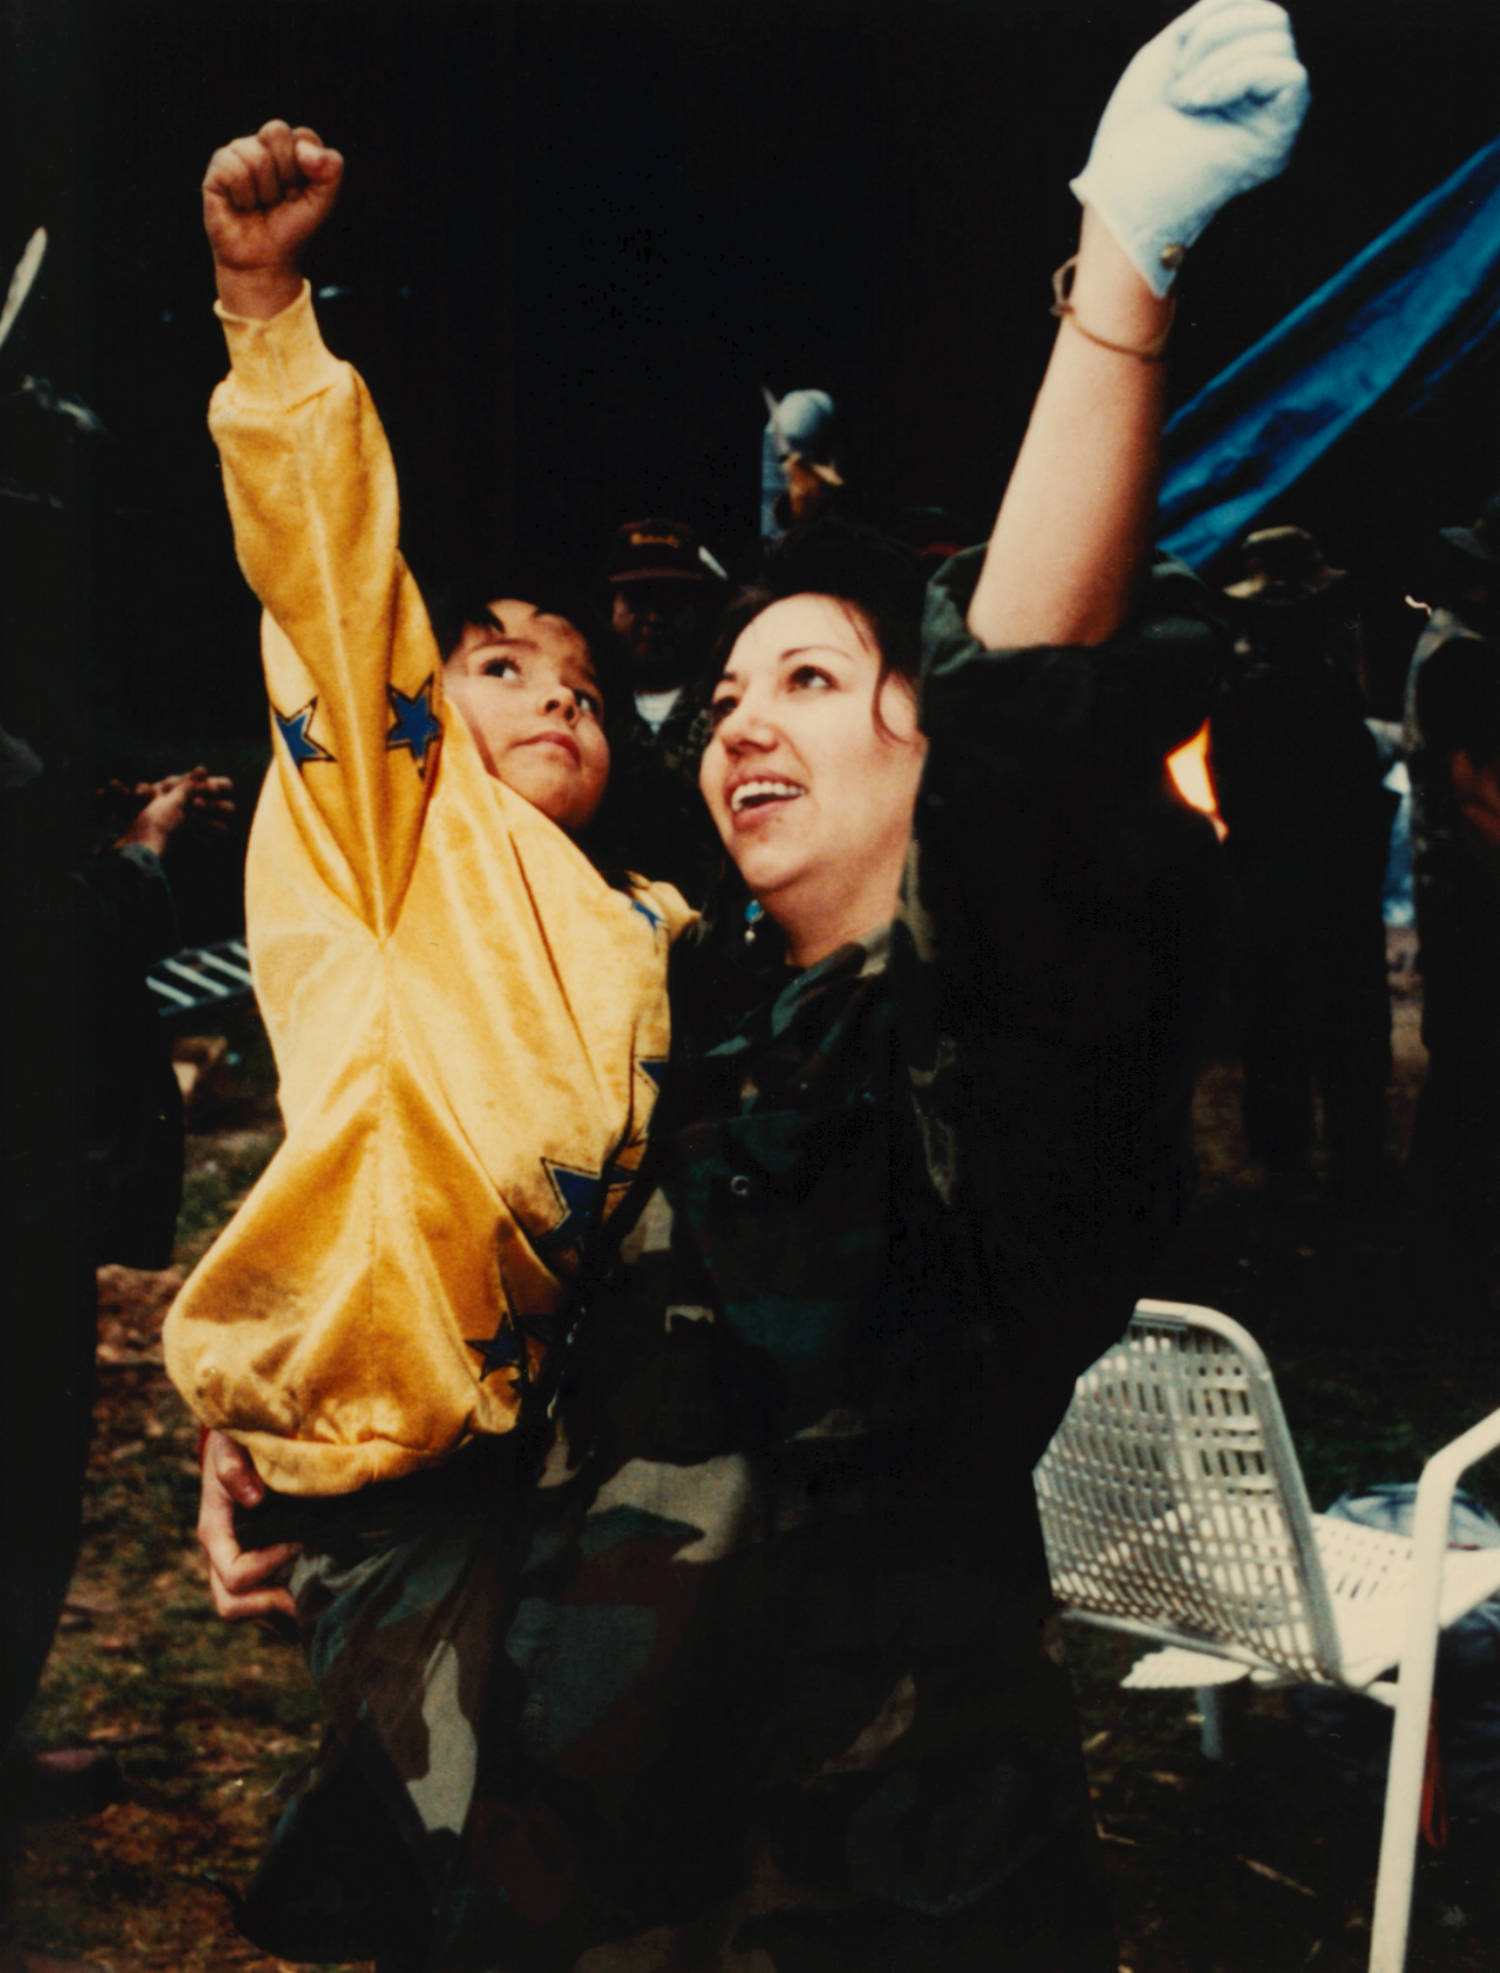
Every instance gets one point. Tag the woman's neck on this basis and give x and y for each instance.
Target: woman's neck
(816, 922)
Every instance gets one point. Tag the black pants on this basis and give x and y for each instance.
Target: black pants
(46, 1407)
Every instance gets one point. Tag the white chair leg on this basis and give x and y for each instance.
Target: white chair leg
(1403, 1809)
(1211, 1713)
(1403, 1790)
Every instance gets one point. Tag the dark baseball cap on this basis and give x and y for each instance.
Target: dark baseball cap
(657, 550)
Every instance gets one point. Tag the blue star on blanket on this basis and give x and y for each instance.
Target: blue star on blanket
(415, 727)
(579, 1193)
(299, 742)
(501, 1351)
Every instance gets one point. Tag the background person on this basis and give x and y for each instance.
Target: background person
(108, 1169)
(1455, 1157)
(1465, 577)
(1451, 1160)
(801, 470)
(1300, 786)
(666, 592)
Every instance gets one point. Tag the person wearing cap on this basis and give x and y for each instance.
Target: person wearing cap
(665, 592)
(1466, 580)
(664, 589)
(1454, 673)
(1298, 781)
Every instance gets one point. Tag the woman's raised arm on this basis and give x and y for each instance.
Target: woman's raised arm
(1207, 110)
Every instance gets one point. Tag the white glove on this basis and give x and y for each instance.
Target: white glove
(1207, 110)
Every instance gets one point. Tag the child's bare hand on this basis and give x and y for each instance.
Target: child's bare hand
(237, 1576)
(263, 199)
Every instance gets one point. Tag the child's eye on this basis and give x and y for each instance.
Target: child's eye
(499, 667)
(590, 702)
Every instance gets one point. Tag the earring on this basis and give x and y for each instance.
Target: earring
(754, 912)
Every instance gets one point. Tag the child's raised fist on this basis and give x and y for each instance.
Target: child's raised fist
(264, 197)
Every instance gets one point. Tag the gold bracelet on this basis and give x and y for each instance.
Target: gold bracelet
(1154, 351)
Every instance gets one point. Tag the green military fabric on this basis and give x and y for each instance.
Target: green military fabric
(402, 1590)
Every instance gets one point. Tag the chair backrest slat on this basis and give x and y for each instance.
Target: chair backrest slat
(1171, 1497)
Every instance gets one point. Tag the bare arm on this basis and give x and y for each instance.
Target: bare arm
(1075, 527)
(1208, 109)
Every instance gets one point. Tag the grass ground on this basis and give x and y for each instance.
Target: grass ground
(1257, 1865)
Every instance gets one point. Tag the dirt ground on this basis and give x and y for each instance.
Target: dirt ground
(1259, 1864)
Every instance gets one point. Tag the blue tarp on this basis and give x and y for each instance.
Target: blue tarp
(1386, 330)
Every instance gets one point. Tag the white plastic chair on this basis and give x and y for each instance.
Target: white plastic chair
(1174, 1508)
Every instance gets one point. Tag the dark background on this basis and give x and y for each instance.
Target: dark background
(578, 235)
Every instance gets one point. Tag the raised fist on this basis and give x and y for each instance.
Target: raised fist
(263, 199)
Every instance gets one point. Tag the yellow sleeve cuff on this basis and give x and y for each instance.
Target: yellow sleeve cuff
(282, 362)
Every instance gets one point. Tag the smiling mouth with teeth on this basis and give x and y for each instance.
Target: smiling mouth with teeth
(757, 794)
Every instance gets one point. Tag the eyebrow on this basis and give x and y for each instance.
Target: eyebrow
(493, 633)
(785, 657)
(504, 640)
(490, 622)
(490, 628)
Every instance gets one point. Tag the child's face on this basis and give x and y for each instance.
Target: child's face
(528, 694)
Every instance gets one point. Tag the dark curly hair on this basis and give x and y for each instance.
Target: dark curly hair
(879, 582)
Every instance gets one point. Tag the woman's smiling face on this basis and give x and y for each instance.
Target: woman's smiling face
(812, 772)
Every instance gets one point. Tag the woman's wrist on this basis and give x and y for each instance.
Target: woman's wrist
(1108, 299)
